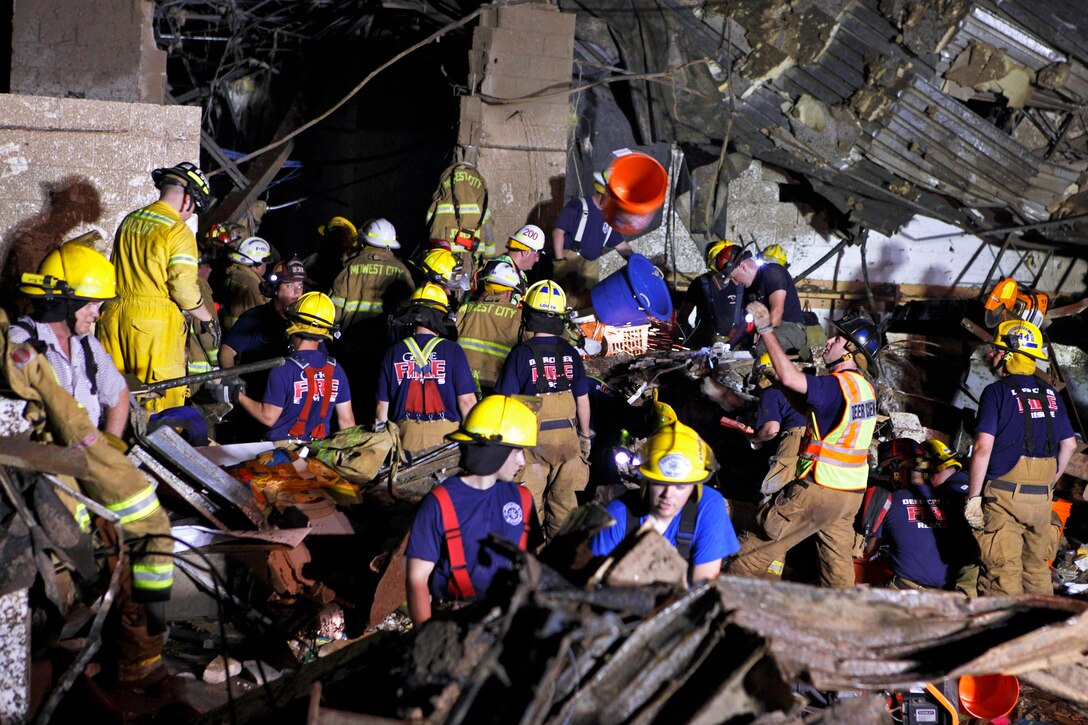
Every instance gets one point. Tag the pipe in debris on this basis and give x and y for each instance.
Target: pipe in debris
(199, 378)
(820, 262)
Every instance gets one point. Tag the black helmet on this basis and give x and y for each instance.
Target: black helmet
(863, 333)
(189, 177)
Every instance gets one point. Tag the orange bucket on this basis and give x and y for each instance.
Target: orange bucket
(1063, 508)
(988, 696)
(636, 190)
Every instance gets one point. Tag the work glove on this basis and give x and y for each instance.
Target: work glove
(156, 617)
(761, 317)
(211, 327)
(973, 513)
(227, 390)
(585, 443)
(380, 425)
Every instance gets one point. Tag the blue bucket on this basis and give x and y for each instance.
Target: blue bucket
(632, 295)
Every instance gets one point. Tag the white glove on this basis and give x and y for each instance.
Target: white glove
(973, 513)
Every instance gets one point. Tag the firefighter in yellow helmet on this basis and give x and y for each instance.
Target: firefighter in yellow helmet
(301, 396)
(547, 366)
(781, 415)
(444, 557)
(716, 302)
(425, 384)
(155, 256)
(134, 634)
(1023, 442)
(674, 500)
(774, 254)
(488, 325)
(373, 281)
(833, 469)
(70, 286)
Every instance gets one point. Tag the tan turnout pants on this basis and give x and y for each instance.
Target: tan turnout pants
(554, 470)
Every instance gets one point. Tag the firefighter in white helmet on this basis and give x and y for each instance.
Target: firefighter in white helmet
(155, 255)
(242, 286)
(373, 281)
(487, 325)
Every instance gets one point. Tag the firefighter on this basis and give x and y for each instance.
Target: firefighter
(202, 348)
(373, 281)
(339, 238)
(242, 287)
(780, 415)
(445, 558)
(488, 326)
(459, 210)
(717, 302)
(425, 384)
(1023, 442)
(522, 253)
(916, 522)
(943, 468)
(155, 256)
(581, 236)
(945, 473)
(691, 516)
(547, 366)
(774, 254)
(301, 395)
(833, 471)
(135, 630)
(261, 333)
(770, 284)
(445, 269)
(67, 293)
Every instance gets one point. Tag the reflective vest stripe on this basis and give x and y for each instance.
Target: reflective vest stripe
(152, 576)
(839, 458)
(357, 305)
(137, 507)
(181, 259)
(483, 346)
(423, 357)
(153, 217)
(83, 517)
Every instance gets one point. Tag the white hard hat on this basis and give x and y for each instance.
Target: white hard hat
(529, 237)
(380, 233)
(251, 251)
(501, 273)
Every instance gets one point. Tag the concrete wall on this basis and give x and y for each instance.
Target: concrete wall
(100, 49)
(520, 147)
(71, 166)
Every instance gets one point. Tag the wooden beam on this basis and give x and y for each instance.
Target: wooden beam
(44, 457)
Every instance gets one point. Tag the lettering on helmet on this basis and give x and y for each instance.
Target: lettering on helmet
(864, 409)
(674, 465)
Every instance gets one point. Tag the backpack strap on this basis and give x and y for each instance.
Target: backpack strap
(875, 506)
(582, 222)
(314, 386)
(460, 584)
(526, 512)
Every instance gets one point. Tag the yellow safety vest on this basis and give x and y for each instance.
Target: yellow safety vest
(839, 459)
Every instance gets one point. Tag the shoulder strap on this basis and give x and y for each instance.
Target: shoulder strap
(422, 355)
(89, 363)
(874, 507)
(526, 512)
(460, 584)
(1024, 401)
(34, 341)
(581, 230)
(686, 534)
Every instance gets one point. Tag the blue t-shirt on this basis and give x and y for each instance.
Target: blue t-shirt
(596, 235)
(288, 388)
(713, 538)
(561, 361)
(427, 392)
(259, 334)
(920, 529)
(497, 510)
(958, 483)
(776, 404)
(825, 398)
(999, 415)
(773, 277)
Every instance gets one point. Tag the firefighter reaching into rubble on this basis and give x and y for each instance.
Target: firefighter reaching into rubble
(302, 394)
(445, 561)
(245, 275)
(135, 629)
(717, 302)
(690, 515)
(425, 384)
(488, 325)
(833, 471)
(155, 256)
(547, 366)
(780, 415)
(770, 284)
(1023, 442)
(67, 293)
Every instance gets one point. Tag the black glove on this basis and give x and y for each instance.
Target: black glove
(211, 327)
(227, 390)
(156, 617)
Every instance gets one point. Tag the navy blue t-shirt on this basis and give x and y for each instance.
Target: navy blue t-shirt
(713, 538)
(718, 307)
(999, 414)
(497, 510)
(288, 388)
(259, 334)
(825, 398)
(925, 542)
(427, 392)
(519, 373)
(776, 404)
(596, 235)
(958, 483)
(771, 278)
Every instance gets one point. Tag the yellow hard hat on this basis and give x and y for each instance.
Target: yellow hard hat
(600, 180)
(499, 419)
(313, 314)
(718, 255)
(764, 365)
(440, 265)
(774, 253)
(675, 454)
(430, 295)
(940, 455)
(339, 222)
(546, 296)
(1020, 336)
(75, 272)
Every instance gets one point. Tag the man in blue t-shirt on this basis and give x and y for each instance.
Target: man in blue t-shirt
(717, 301)
(1023, 442)
(945, 473)
(780, 415)
(676, 503)
(771, 284)
(580, 237)
(425, 384)
(445, 557)
(302, 394)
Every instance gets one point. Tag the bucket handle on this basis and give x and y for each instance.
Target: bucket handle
(658, 273)
(644, 301)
